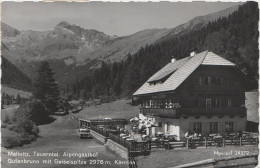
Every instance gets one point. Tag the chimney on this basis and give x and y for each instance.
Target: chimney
(173, 59)
(193, 52)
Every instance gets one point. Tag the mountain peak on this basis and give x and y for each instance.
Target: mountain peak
(64, 24)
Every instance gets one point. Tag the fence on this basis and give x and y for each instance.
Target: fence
(132, 146)
(141, 146)
(221, 142)
(193, 143)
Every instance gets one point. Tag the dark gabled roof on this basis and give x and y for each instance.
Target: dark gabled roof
(179, 71)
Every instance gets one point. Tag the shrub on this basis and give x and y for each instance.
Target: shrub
(19, 140)
(13, 118)
(9, 142)
(23, 138)
(32, 110)
(24, 124)
(7, 120)
(35, 130)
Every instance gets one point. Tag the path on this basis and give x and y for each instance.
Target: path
(60, 136)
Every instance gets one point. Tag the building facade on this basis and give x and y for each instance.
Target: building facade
(202, 93)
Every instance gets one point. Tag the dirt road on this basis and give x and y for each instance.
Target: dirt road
(60, 137)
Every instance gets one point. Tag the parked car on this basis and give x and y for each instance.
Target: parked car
(84, 133)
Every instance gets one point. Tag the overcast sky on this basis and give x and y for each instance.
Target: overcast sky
(111, 18)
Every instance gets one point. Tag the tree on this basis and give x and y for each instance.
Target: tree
(45, 87)
(3, 100)
(18, 99)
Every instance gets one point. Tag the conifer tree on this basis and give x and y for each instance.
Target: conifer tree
(18, 99)
(45, 87)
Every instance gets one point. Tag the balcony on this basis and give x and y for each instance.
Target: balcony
(161, 112)
(186, 112)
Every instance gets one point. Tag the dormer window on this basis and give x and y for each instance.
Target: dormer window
(160, 80)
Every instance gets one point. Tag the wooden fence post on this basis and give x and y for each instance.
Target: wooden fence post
(256, 141)
(224, 142)
(187, 143)
(206, 142)
(240, 141)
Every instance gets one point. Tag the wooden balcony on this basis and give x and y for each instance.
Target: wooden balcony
(186, 112)
(161, 112)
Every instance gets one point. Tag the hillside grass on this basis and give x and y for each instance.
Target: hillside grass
(13, 91)
(117, 109)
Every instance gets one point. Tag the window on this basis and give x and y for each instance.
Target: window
(156, 103)
(229, 126)
(152, 103)
(208, 103)
(147, 104)
(159, 124)
(168, 127)
(224, 81)
(213, 127)
(209, 80)
(200, 81)
(197, 127)
(218, 81)
(229, 103)
(218, 102)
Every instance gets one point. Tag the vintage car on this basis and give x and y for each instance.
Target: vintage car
(84, 133)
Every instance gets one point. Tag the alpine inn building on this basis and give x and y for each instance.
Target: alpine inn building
(203, 92)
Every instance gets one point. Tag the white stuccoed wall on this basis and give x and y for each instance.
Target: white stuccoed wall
(180, 126)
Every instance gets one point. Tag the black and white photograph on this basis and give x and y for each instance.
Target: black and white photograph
(129, 84)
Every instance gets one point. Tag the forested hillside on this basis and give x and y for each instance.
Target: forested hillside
(234, 37)
(13, 77)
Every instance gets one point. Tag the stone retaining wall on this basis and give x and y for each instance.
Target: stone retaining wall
(98, 136)
(117, 148)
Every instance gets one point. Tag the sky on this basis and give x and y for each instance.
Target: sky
(111, 18)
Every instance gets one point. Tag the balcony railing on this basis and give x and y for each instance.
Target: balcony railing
(178, 112)
(161, 112)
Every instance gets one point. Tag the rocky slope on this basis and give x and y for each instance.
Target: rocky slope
(65, 40)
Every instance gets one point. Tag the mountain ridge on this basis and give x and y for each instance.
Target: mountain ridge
(72, 50)
(83, 45)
